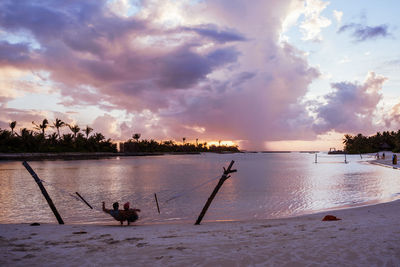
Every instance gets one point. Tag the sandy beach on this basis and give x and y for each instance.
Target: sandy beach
(366, 236)
(387, 161)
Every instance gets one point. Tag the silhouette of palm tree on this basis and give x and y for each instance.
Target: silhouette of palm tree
(74, 128)
(41, 127)
(136, 136)
(184, 139)
(98, 137)
(87, 131)
(58, 124)
(12, 126)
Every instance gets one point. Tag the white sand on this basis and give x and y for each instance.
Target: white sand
(387, 162)
(366, 236)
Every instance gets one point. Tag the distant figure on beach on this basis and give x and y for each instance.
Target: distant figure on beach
(129, 215)
(394, 159)
(383, 155)
(377, 155)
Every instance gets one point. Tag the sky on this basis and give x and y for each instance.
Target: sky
(266, 75)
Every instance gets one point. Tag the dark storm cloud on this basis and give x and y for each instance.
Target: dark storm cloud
(42, 21)
(211, 31)
(363, 33)
(13, 53)
(185, 68)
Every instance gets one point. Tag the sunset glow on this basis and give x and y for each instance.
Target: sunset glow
(264, 75)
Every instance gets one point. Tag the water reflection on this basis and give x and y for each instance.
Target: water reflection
(265, 186)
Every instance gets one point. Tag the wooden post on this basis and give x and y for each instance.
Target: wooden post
(316, 158)
(345, 158)
(83, 200)
(224, 177)
(158, 207)
(44, 192)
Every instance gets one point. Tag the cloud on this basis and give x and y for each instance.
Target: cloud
(351, 106)
(184, 68)
(363, 33)
(338, 16)
(211, 31)
(13, 54)
(24, 118)
(314, 22)
(107, 125)
(393, 118)
(172, 67)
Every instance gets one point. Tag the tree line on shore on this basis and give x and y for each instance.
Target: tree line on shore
(31, 141)
(171, 146)
(389, 141)
(82, 140)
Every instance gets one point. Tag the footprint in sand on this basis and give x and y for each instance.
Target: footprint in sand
(28, 256)
(133, 239)
(79, 233)
(168, 236)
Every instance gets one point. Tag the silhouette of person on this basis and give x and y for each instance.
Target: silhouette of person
(131, 214)
(127, 214)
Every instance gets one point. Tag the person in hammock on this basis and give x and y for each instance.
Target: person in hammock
(115, 212)
(129, 215)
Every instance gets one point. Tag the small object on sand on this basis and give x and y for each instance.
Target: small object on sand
(35, 224)
(330, 218)
(79, 233)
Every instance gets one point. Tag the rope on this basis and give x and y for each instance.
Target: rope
(62, 190)
(183, 193)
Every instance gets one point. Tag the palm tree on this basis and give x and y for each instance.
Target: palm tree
(184, 139)
(197, 141)
(219, 142)
(58, 124)
(98, 137)
(42, 127)
(87, 131)
(25, 132)
(53, 139)
(75, 129)
(136, 136)
(12, 126)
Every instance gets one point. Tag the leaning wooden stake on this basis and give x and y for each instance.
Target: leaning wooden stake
(81, 197)
(44, 192)
(224, 177)
(158, 207)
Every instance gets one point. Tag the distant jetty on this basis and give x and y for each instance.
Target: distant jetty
(333, 150)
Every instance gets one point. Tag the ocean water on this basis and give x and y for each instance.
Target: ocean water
(265, 186)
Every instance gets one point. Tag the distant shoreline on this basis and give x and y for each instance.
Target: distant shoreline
(104, 155)
(76, 155)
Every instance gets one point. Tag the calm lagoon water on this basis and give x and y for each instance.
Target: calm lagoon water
(267, 185)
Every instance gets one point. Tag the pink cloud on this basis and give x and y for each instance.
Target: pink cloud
(351, 106)
(220, 69)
